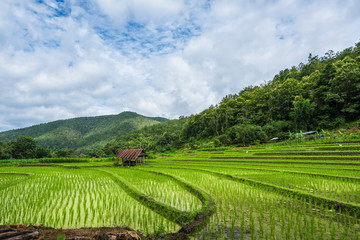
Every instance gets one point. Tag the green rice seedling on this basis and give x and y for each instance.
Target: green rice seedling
(256, 195)
(161, 189)
(71, 198)
(306, 219)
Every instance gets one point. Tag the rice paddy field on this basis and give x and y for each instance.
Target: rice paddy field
(270, 191)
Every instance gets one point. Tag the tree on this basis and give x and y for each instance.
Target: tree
(2, 150)
(346, 84)
(302, 114)
(282, 97)
(23, 147)
(246, 134)
(41, 153)
(65, 153)
(276, 128)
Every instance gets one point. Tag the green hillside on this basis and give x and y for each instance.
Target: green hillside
(82, 134)
(321, 95)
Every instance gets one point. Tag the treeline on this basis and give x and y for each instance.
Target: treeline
(26, 148)
(158, 138)
(324, 93)
(82, 134)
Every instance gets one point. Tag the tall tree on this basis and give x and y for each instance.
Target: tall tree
(302, 114)
(346, 84)
(23, 147)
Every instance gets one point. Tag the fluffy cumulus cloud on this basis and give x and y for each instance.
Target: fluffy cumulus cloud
(64, 59)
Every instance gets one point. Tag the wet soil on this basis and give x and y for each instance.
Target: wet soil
(52, 233)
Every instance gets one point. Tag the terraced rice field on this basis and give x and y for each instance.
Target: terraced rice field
(303, 191)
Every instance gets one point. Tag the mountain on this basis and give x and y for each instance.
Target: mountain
(82, 134)
(322, 94)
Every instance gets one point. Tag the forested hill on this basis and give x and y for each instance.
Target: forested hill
(82, 134)
(322, 94)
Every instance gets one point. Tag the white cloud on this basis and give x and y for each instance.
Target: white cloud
(143, 11)
(61, 60)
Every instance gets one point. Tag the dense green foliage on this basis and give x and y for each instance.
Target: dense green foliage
(82, 134)
(322, 94)
(23, 148)
(159, 137)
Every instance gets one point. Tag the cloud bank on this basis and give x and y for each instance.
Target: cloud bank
(64, 59)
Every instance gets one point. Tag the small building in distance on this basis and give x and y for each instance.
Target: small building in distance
(131, 157)
(293, 135)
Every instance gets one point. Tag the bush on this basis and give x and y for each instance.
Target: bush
(224, 139)
(42, 153)
(246, 134)
(276, 129)
(151, 156)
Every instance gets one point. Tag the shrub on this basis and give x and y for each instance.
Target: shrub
(224, 139)
(246, 134)
(276, 129)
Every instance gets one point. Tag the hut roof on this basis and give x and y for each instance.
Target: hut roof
(305, 133)
(131, 153)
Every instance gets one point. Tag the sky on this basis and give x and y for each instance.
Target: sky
(169, 58)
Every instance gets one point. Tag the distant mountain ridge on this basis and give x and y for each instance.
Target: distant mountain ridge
(82, 134)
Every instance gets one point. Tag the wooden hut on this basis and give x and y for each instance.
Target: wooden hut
(127, 156)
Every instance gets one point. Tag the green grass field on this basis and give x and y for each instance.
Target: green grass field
(270, 191)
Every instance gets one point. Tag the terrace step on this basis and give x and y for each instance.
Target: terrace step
(171, 213)
(352, 209)
(293, 158)
(308, 153)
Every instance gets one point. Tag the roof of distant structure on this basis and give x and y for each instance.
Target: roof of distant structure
(275, 138)
(310, 132)
(305, 133)
(296, 134)
(131, 153)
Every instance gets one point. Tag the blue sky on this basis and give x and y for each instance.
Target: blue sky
(65, 59)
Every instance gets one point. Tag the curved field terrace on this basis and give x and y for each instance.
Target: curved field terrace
(303, 191)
